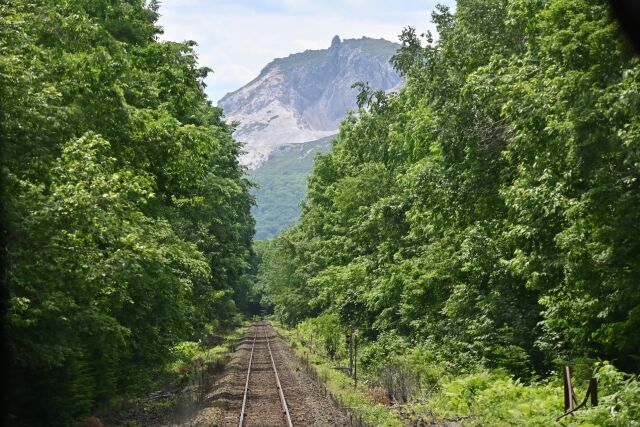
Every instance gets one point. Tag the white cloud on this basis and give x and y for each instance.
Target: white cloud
(238, 38)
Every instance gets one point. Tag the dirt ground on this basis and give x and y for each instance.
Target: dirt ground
(305, 399)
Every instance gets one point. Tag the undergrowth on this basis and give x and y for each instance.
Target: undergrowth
(357, 399)
(411, 385)
(189, 359)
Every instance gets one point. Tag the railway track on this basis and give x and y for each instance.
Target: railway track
(259, 392)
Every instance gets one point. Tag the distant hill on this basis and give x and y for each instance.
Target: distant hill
(283, 180)
(305, 96)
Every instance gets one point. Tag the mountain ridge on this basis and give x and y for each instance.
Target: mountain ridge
(304, 96)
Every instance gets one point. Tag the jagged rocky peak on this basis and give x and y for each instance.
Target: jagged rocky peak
(306, 95)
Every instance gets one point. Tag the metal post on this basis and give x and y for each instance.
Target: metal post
(570, 401)
(349, 337)
(351, 357)
(355, 359)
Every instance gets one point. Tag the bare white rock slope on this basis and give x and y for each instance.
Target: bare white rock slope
(305, 96)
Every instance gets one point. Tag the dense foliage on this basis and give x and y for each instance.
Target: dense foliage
(128, 216)
(488, 212)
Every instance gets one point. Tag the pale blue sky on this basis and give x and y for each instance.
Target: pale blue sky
(238, 38)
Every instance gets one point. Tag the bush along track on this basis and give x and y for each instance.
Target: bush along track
(411, 389)
(186, 384)
(359, 402)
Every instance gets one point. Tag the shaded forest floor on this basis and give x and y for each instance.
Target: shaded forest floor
(185, 392)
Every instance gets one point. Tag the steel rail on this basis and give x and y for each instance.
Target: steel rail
(275, 371)
(246, 384)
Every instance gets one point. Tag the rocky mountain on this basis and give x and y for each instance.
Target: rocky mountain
(304, 96)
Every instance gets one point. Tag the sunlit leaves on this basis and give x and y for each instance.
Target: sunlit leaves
(490, 208)
(127, 210)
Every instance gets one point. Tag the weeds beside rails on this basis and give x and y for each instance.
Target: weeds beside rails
(356, 403)
(196, 365)
(483, 397)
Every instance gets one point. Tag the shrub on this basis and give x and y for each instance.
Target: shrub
(619, 398)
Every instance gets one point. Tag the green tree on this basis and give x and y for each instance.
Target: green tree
(487, 210)
(128, 216)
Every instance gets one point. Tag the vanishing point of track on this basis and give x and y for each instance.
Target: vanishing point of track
(245, 399)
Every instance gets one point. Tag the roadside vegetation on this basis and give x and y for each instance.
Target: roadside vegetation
(183, 385)
(401, 384)
(480, 227)
(357, 400)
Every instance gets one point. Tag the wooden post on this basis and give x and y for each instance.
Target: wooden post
(568, 390)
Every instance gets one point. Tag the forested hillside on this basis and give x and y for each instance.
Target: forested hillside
(281, 184)
(127, 214)
(487, 214)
